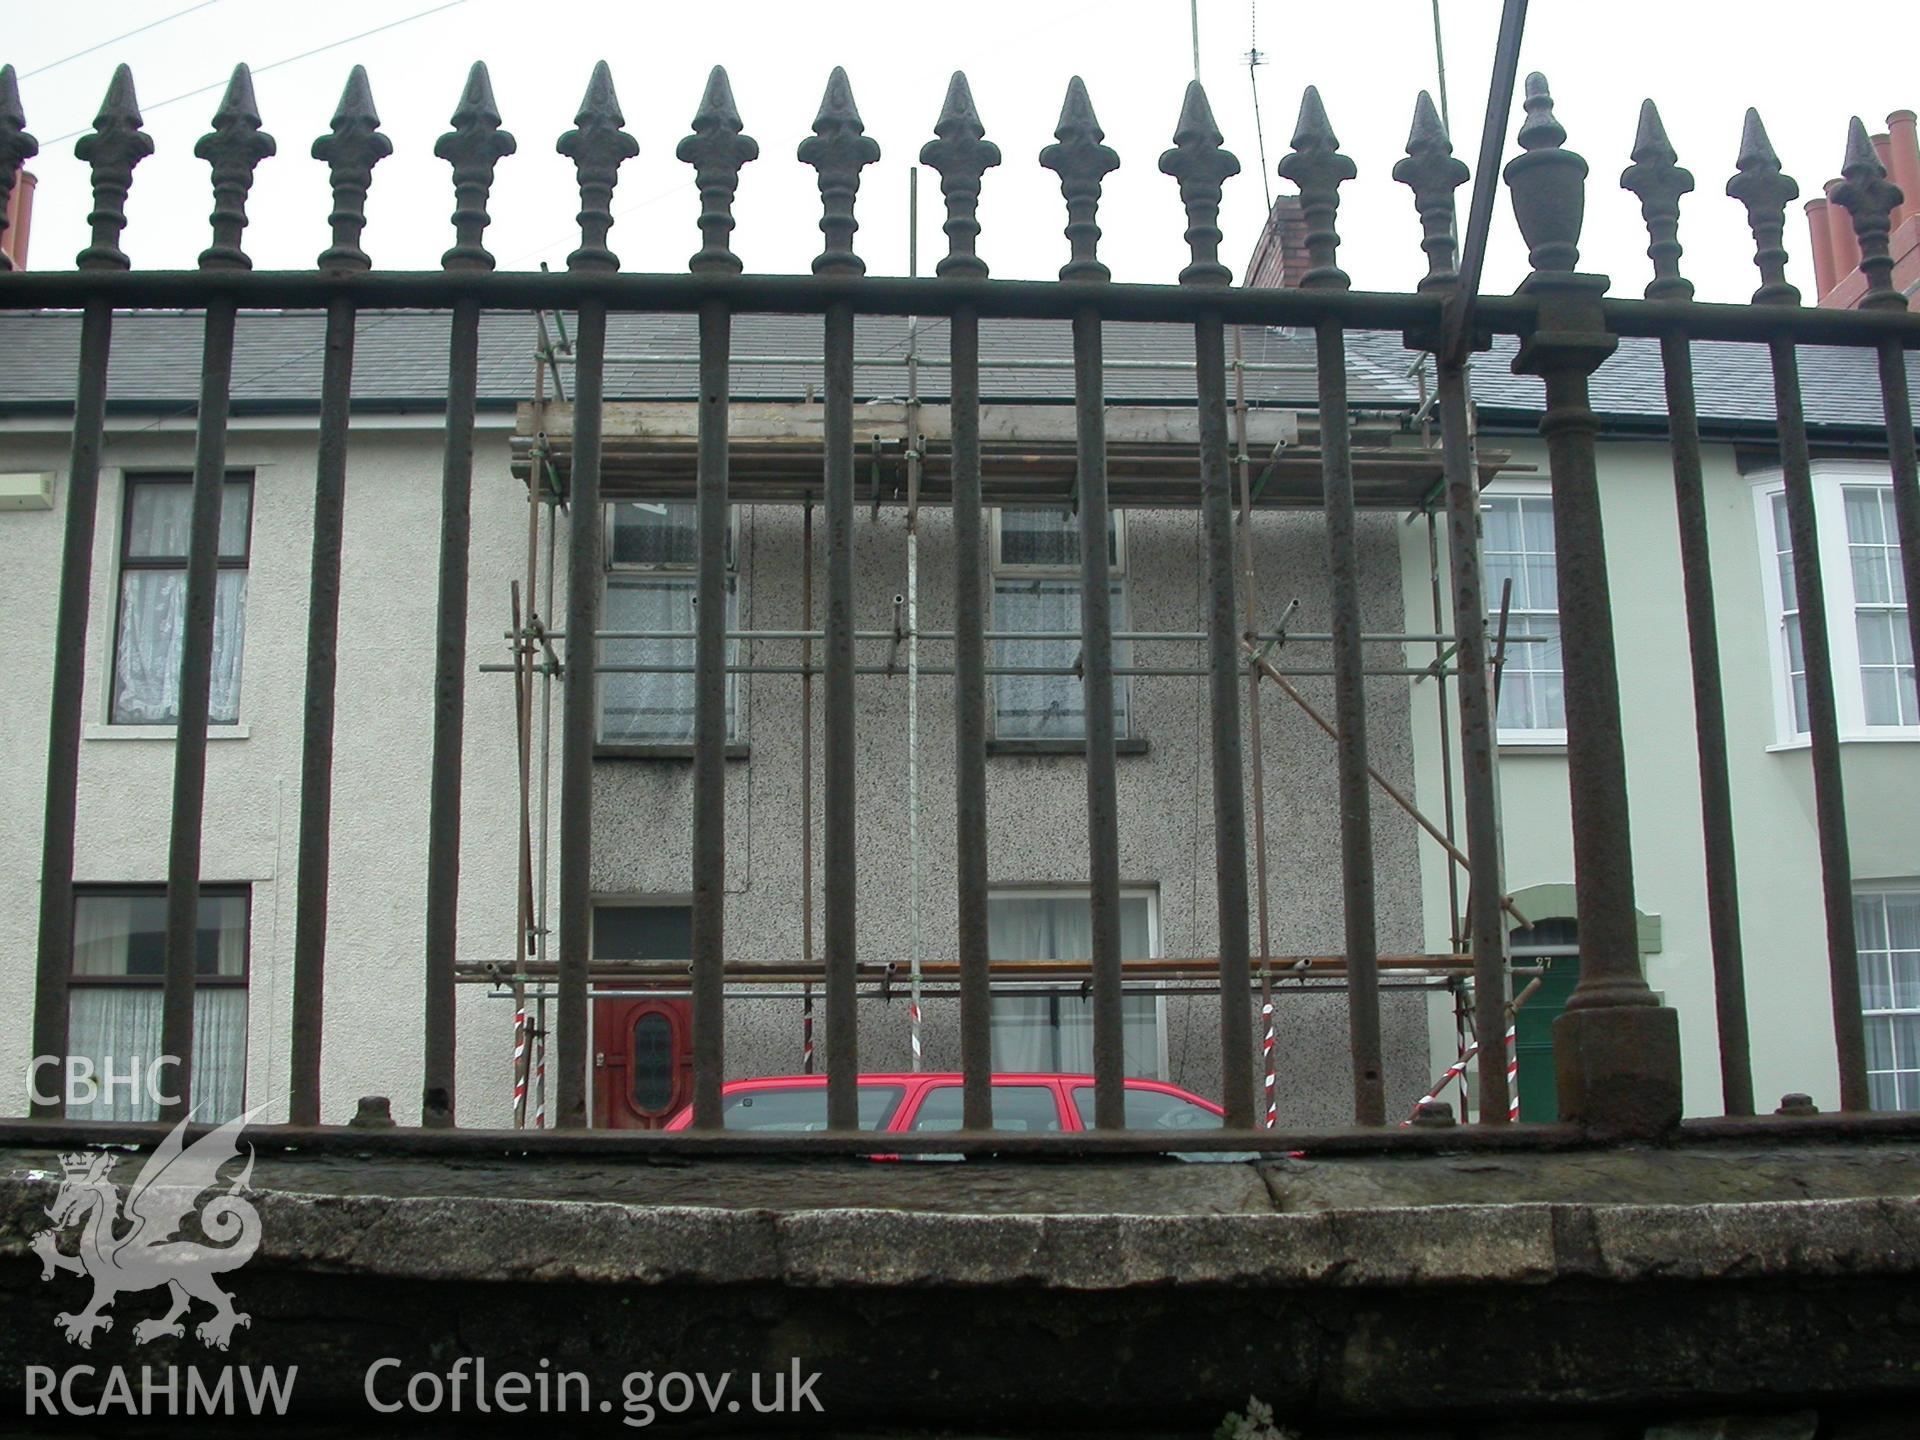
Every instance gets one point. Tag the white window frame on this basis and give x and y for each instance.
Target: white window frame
(1881, 891)
(609, 568)
(1831, 478)
(1151, 893)
(1521, 490)
(998, 569)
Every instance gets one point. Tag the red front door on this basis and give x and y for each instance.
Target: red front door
(642, 1062)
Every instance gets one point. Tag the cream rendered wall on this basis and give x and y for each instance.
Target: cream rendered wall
(1788, 998)
(375, 994)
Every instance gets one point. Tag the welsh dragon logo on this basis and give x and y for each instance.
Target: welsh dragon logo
(133, 1245)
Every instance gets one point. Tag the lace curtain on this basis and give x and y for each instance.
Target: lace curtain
(153, 605)
(1048, 1032)
(123, 934)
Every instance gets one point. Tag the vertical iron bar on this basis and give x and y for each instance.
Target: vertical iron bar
(196, 684)
(1596, 751)
(1710, 720)
(843, 1046)
(316, 758)
(55, 959)
(1898, 402)
(1256, 741)
(970, 726)
(710, 723)
(1229, 774)
(806, 781)
(1096, 647)
(1356, 824)
(1454, 928)
(1486, 884)
(577, 715)
(449, 716)
(1823, 723)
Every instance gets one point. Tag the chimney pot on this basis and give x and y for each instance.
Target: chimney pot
(1903, 163)
(1823, 276)
(1846, 246)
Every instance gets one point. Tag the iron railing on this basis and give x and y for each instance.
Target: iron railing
(1620, 1065)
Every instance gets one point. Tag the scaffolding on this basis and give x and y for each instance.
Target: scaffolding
(1025, 469)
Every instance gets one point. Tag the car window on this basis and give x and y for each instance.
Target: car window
(1152, 1110)
(803, 1108)
(1015, 1107)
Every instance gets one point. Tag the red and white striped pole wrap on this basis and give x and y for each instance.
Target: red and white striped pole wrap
(519, 1063)
(1454, 1072)
(1266, 1062)
(1513, 1075)
(806, 1035)
(540, 1082)
(913, 1013)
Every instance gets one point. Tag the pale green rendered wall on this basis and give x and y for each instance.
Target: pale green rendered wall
(1788, 997)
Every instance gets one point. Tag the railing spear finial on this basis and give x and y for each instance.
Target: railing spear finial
(1870, 198)
(1549, 186)
(1658, 179)
(1201, 165)
(473, 147)
(112, 148)
(1081, 162)
(234, 146)
(839, 149)
(1433, 174)
(717, 149)
(1316, 165)
(1765, 190)
(16, 145)
(597, 145)
(350, 152)
(961, 155)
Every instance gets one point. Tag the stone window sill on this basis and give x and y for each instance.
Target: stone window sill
(661, 752)
(158, 732)
(1129, 746)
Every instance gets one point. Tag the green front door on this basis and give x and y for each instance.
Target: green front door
(1533, 1036)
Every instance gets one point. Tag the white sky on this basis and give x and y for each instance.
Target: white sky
(1807, 67)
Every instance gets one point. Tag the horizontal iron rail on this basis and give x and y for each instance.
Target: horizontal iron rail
(893, 295)
(539, 1145)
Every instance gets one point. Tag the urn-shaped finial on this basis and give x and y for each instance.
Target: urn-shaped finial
(717, 149)
(1548, 184)
(961, 154)
(1201, 164)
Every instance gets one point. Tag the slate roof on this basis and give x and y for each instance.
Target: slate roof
(1733, 385)
(400, 361)
(400, 365)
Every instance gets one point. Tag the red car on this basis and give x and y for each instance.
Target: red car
(898, 1103)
